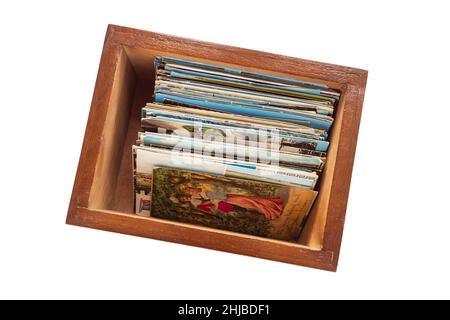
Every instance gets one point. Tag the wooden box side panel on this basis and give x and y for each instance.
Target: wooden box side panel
(113, 136)
(340, 187)
(205, 237)
(314, 230)
(333, 75)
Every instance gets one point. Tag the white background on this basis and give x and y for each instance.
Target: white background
(397, 232)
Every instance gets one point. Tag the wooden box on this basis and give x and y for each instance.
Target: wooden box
(102, 196)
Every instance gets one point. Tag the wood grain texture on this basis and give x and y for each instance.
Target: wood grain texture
(94, 128)
(91, 209)
(280, 64)
(204, 237)
(113, 136)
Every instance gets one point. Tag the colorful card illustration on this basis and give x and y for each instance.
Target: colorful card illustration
(143, 194)
(239, 205)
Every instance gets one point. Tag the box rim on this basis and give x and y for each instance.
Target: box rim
(118, 37)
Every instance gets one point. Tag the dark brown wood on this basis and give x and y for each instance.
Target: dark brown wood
(102, 191)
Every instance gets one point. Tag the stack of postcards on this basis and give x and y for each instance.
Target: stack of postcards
(231, 149)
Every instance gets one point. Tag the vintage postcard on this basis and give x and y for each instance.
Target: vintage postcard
(258, 153)
(143, 194)
(240, 205)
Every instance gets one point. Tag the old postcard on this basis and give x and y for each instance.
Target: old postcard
(239, 205)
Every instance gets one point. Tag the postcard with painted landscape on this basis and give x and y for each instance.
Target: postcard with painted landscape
(240, 205)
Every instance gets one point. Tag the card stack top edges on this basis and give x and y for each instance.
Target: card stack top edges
(231, 149)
